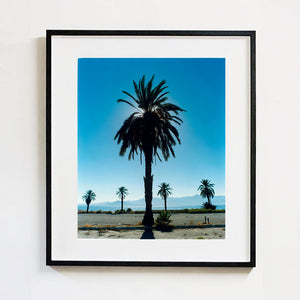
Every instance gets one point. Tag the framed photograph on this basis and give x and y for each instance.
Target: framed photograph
(151, 148)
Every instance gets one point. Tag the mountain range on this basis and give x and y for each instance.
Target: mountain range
(157, 203)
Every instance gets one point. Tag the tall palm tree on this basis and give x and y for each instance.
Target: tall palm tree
(164, 192)
(122, 192)
(149, 129)
(206, 189)
(88, 197)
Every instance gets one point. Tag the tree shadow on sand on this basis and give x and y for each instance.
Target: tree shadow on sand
(147, 234)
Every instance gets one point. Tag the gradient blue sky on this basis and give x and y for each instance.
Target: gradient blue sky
(195, 84)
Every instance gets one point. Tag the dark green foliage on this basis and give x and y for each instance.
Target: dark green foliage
(208, 205)
(151, 125)
(206, 189)
(122, 192)
(88, 197)
(120, 211)
(163, 220)
(164, 192)
(201, 211)
(129, 210)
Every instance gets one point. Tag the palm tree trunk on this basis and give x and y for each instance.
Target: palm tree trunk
(122, 203)
(148, 182)
(87, 208)
(165, 198)
(208, 199)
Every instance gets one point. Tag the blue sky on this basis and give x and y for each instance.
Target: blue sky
(195, 84)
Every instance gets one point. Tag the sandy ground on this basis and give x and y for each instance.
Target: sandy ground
(135, 219)
(193, 233)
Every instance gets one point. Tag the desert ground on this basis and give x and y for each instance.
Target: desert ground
(191, 233)
(136, 219)
(128, 226)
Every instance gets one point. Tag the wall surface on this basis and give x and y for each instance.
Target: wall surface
(23, 274)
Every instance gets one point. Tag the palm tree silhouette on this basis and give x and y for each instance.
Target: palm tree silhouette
(149, 129)
(122, 192)
(88, 197)
(164, 192)
(206, 189)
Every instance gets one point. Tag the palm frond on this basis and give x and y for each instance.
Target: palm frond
(125, 101)
(133, 98)
(89, 196)
(206, 189)
(151, 126)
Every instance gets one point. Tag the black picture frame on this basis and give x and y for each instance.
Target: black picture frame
(162, 33)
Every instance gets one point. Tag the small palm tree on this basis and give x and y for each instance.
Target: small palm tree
(149, 129)
(88, 197)
(164, 192)
(122, 192)
(206, 190)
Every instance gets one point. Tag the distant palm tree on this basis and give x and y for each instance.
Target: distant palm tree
(149, 129)
(88, 197)
(122, 192)
(206, 190)
(164, 192)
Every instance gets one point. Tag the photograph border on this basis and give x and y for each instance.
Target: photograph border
(252, 36)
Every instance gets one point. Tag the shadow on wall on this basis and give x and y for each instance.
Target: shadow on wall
(40, 98)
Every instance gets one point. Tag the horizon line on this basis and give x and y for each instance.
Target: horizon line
(144, 198)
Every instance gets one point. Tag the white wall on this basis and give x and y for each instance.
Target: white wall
(23, 274)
